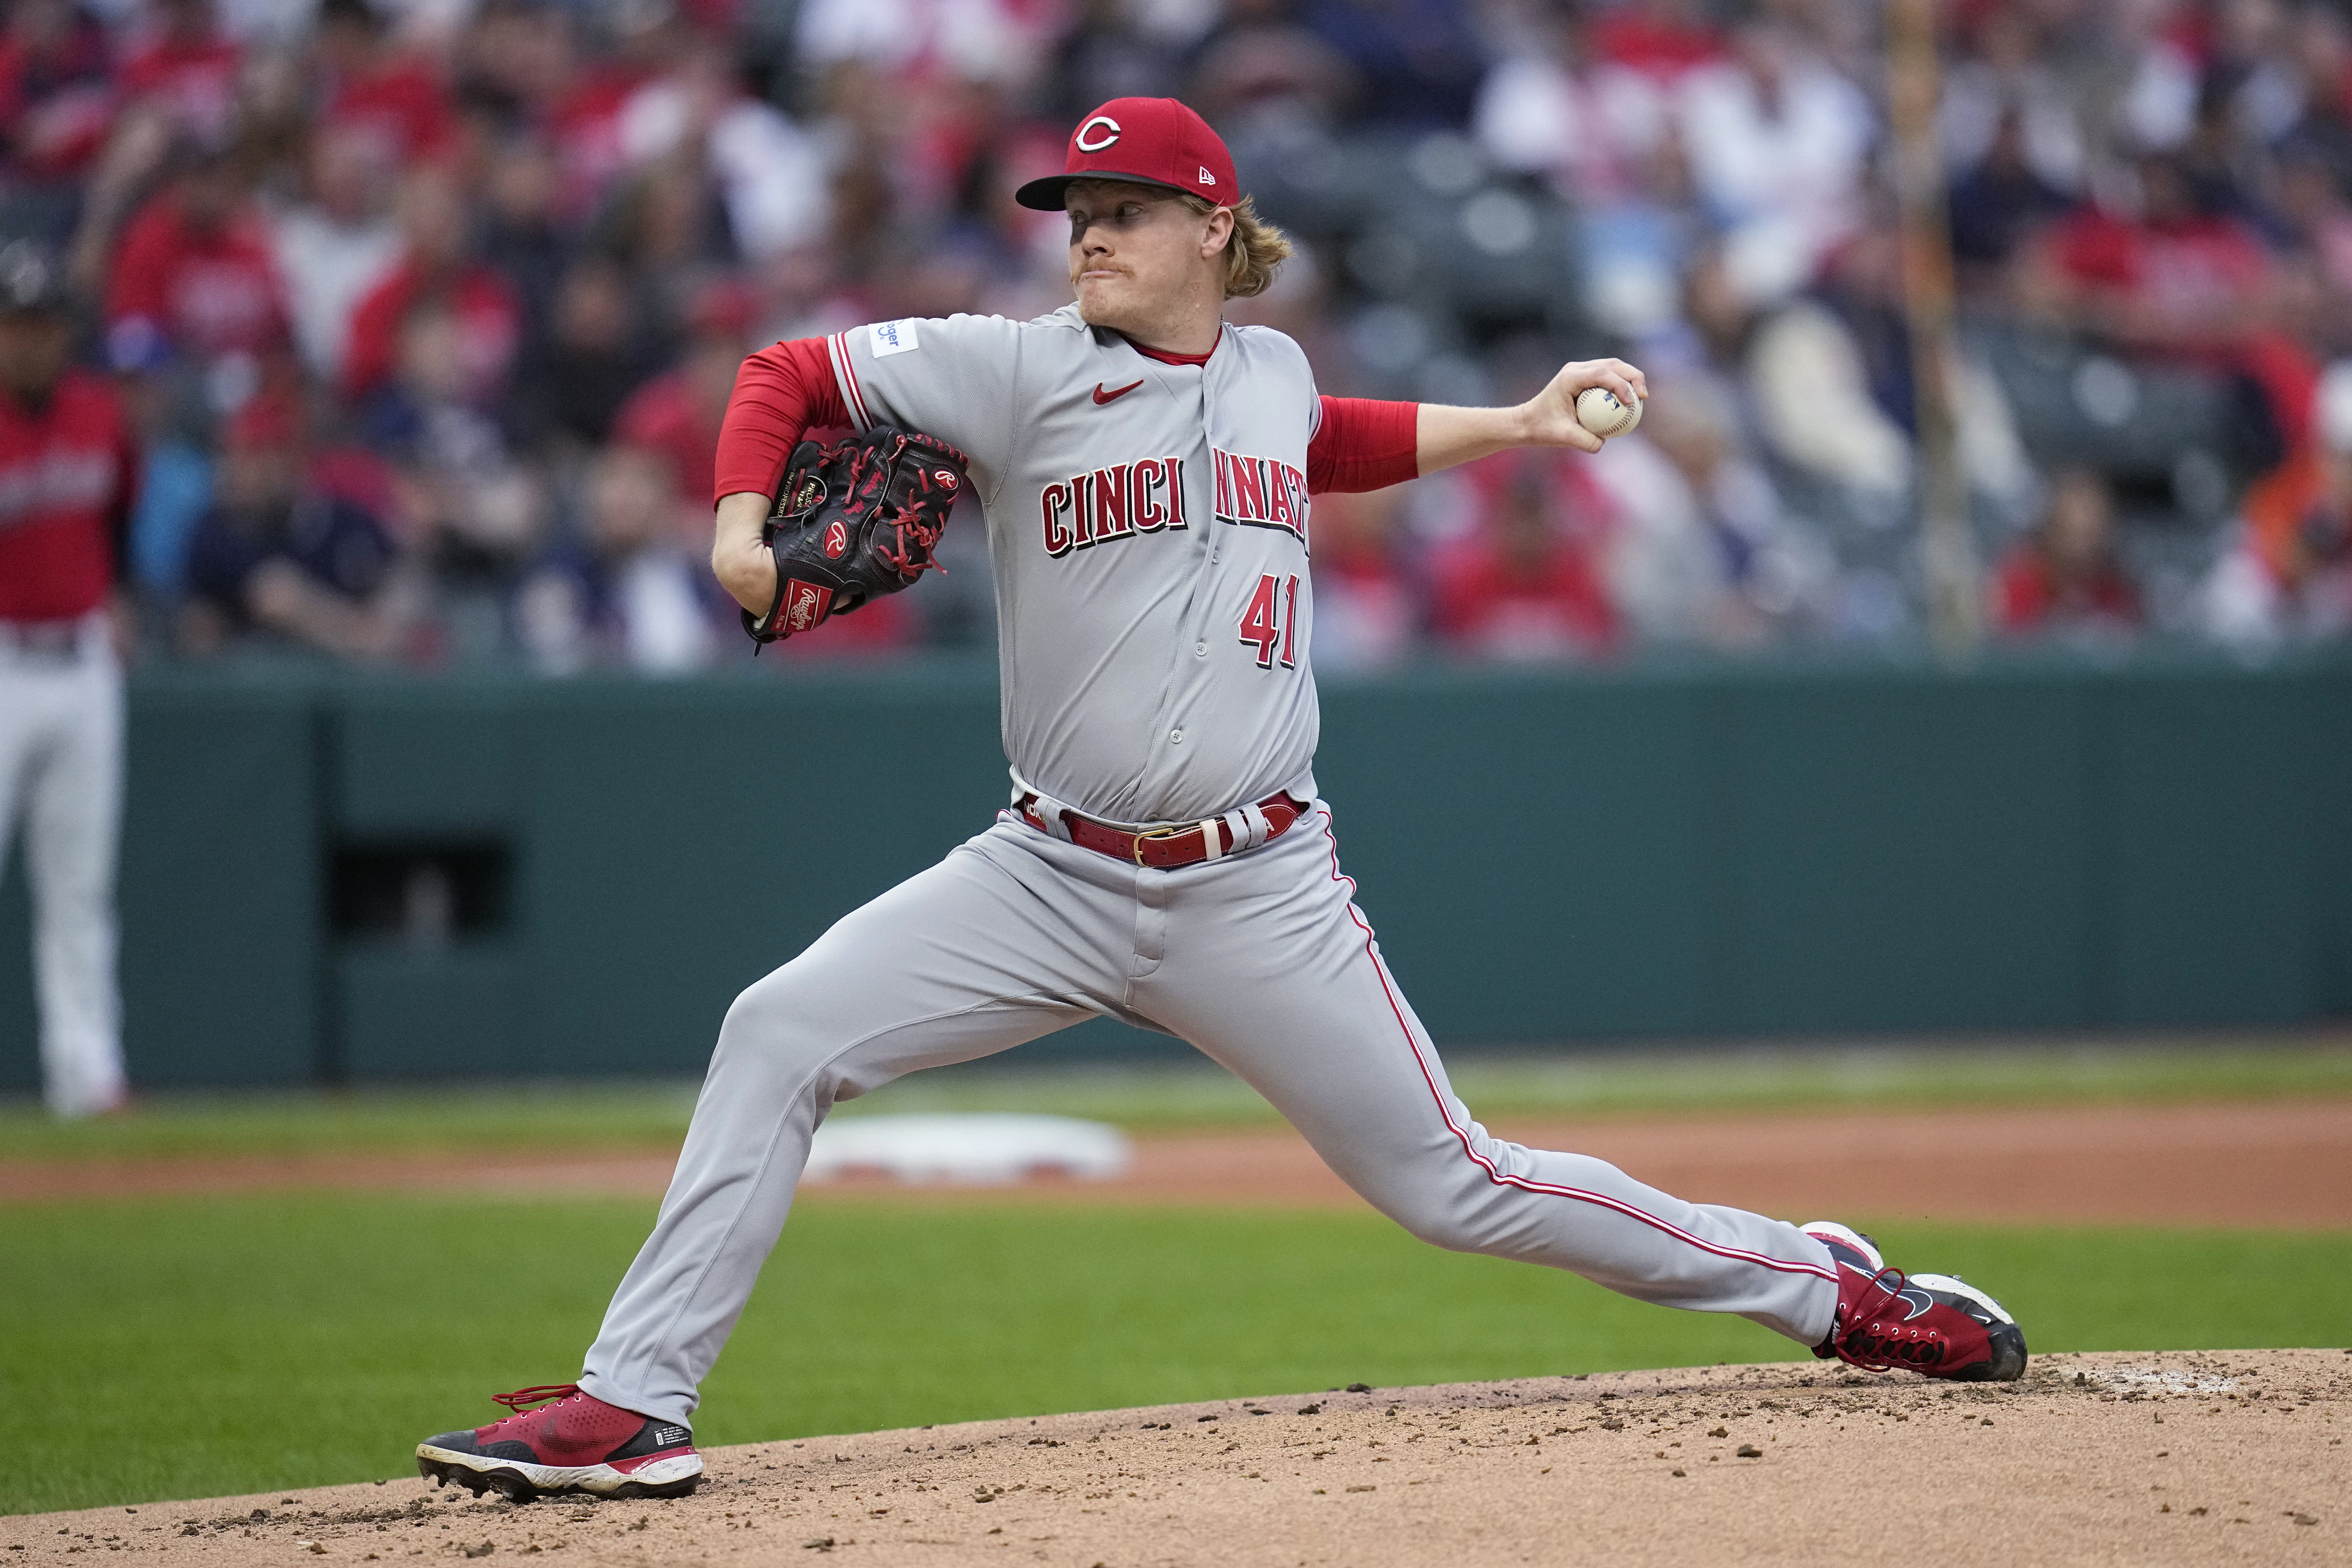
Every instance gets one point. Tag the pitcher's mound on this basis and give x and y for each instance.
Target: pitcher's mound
(2180, 1457)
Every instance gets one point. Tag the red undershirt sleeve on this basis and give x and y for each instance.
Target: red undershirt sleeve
(782, 393)
(1363, 445)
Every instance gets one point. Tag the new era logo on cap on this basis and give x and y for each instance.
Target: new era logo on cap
(1150, 140)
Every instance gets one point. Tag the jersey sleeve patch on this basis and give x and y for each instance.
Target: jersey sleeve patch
(893, 338)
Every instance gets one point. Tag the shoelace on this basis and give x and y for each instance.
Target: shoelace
(1847, 1332)
(524, 1396)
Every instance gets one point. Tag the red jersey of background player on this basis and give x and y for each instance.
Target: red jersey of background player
(66, 468)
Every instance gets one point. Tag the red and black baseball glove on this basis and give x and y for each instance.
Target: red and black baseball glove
(854, 520)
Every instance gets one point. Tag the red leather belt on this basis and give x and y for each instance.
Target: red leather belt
(1164, 849)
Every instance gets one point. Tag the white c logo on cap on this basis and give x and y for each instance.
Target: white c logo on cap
(1110, 133)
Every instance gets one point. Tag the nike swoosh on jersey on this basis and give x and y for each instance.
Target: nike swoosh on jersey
(1102, 397)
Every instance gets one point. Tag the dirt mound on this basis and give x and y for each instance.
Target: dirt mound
(2182, 1457)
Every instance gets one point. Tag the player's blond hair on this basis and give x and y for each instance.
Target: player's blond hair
(1255, 250)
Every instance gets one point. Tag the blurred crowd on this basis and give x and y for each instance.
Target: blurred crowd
(426, 311)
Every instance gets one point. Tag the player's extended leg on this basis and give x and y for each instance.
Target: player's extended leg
(993, 946)
(73, 795)
(990, 948)
(1272, 972)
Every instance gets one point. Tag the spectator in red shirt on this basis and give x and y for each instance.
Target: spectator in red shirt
(2063, 576)
(195, 278)
(583, 123)
(377, 90)
(2176, 278)
(187, 69)
(57, 99)
(678, 414)
(1660, 38)
(1524, 583)
(1365, 614)
(66, 473)
(2186, 282)
(435, 262)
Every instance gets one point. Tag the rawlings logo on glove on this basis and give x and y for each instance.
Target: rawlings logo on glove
(854, 520)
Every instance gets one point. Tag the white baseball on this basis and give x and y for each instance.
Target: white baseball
(1598, 410)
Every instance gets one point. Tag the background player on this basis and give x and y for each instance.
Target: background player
(66, 479)
(1145, 470)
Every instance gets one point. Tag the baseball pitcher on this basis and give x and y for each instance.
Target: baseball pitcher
(1147, 473)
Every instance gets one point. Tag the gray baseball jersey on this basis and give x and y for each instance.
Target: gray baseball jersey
(1147, 526)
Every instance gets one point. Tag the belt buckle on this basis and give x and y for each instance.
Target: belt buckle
(1161, 834)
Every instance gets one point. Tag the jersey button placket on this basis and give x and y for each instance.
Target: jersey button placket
(1206, 589)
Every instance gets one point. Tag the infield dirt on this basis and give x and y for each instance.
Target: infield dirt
(2271, 1162)
(2220, 1457)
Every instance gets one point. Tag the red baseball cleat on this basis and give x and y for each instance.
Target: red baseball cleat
(1936, 1324)
(578, 1444)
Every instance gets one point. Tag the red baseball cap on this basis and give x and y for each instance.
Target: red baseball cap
(1150, 140)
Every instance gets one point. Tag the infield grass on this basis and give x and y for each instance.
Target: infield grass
(204, 1346)
(1658, 1079)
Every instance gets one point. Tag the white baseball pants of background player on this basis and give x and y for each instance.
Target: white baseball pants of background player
(1262, 961)
(61, 777)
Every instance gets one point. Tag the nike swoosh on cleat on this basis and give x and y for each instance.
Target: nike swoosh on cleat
(1102, 397)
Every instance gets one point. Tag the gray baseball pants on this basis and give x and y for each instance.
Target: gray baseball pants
(61, 774)
(1261, 961)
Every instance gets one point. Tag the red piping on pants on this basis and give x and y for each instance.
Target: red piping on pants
(1498, 1177)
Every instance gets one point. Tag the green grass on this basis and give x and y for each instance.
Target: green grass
(1678, 1079)
(1663, 1080)
(195, 1347)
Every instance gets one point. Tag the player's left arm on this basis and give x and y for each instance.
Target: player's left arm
(1445, 437)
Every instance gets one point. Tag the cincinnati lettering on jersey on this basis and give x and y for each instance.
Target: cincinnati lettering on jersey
(60, 480)
(1259, 492)
(1117, 502)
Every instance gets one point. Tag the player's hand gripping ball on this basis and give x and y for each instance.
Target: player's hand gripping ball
(855, 520)
(1598, 410)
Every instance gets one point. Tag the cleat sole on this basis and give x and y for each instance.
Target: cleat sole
(673, 1476)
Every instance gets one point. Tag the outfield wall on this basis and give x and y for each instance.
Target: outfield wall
(1548, 856)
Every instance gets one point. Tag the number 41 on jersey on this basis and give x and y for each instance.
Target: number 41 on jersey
(1272, 619)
